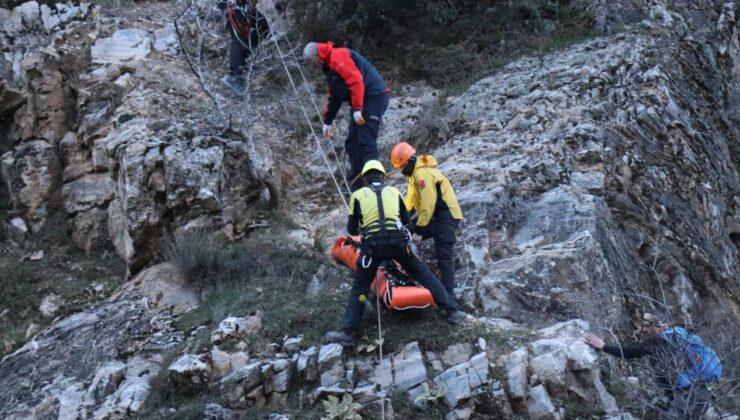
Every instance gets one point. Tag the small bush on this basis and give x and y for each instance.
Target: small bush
(200, 258)
(264, 274)
(444, 42)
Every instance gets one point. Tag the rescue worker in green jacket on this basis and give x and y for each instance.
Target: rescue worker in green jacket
(378, 213)
(431, 196)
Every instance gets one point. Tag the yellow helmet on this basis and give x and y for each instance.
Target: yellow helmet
(373, 165)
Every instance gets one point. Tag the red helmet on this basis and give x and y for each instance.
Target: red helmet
(401, 154)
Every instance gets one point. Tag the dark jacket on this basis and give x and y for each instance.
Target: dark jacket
(665, 360)
(350, 78)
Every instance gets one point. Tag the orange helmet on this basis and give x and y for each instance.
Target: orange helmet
(401, 154)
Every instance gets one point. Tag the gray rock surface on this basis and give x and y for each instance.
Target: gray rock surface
(125, 45)
(408, 367)
(464, 380)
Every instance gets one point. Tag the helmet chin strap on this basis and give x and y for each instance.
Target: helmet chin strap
(408, 169)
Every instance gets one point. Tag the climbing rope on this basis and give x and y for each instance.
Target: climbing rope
(318, 113)
(336, 183)
(308, 121)
(380, 347)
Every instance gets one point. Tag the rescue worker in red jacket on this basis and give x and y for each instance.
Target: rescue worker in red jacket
(353, 79)
(431, 196)
(375, 212)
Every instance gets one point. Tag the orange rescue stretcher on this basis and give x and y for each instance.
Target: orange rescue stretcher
(395, 288)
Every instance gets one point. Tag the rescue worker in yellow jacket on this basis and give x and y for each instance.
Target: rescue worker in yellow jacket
(431, 196)
(378, 213)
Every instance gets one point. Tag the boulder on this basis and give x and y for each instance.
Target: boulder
(307, 365)
(106, 381)
(238, 383)
(224, 363)
(236, 328)
(291, 344)
(164, 287)
(539, 405)
(190, 374)
(30, 14)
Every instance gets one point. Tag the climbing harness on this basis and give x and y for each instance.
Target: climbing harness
(238, 28)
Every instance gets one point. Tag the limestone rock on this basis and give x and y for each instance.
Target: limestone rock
(33, 174)
(50, 304)
(330, 365)
(539, 405)
(516, 374)
(408, 367)
(30, 14)
(236, 386)
(10, 23)
(464, 380)
(307, 364)
(165, 41)
(190, 373)
(224, 363)
(292, 343)
(457, 353)
(235, 327)
(17, 229)
(88, 192)
(164, 286)
(125, 45)
(106, 381)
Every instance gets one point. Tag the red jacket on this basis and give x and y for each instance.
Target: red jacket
(350, 77)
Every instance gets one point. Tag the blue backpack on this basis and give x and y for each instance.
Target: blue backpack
(704, 365)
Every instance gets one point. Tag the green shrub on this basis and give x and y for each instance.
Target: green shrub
(444, 42)
(264, 274)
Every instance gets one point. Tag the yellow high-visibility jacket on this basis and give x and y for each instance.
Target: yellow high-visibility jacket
(424, 184)
(364, 214)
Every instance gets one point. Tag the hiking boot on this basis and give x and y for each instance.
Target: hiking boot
(236, 83)
(340, 337)
(457, 317)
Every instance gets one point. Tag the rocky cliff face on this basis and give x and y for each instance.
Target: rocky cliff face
(611, 168)
(105, 127)
(598, 182)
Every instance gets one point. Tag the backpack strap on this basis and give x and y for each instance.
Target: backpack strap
(381, 211)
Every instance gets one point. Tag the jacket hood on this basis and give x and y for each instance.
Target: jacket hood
(325, 49)
(426, 161)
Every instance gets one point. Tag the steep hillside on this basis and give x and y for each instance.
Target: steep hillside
(599, 182)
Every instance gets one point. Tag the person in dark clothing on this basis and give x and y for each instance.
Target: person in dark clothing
(352, 78)
(375, 212)
(431, 196)
(247, 27)
(666, 361)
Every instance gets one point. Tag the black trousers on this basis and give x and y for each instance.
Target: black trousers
(362, 140)
(364, 278)
(241, 48)
(442, 230)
